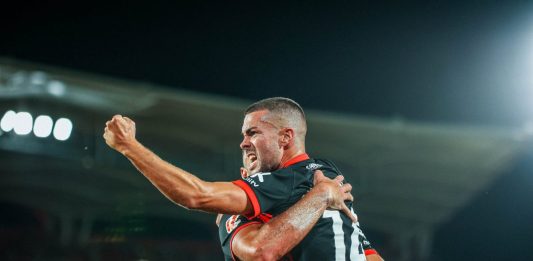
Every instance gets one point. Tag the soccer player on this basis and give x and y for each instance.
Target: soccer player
(256, 240)
(274, 132)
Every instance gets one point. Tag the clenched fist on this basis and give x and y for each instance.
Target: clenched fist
(119, 133)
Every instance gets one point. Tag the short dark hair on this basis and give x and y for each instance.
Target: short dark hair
(285, 112)
(276, 105)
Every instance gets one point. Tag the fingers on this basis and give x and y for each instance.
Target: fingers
(319, 176)
(117, 124)
(346, 188)
(119, 120)
(349, 213)
(347, 197)
(123, 122)
(345, 191)
(339, 179)
(129, 120)
(114, 119)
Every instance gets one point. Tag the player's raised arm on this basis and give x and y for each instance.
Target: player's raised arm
(178, 185)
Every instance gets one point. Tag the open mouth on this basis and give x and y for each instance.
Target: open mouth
(252, 160)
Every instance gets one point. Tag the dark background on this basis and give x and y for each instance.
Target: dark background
(461, 63)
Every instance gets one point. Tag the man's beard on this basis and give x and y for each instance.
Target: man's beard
(267, 167)
(262, 168)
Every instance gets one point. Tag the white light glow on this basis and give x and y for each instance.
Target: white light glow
(23, 123)
(43, 126)
(56, 88)
(8, 121)
(38, 78)
(62, 129)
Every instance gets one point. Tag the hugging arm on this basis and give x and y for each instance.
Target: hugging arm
(273, 240)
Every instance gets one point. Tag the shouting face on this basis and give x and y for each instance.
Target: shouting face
(260, 146)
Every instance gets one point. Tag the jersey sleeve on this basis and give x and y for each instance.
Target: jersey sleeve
(266, 190)
(329, 169)
(228, 228)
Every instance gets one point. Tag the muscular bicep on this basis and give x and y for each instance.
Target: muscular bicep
(223, 197)
(242, 244)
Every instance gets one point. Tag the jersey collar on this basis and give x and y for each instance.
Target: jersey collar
(295, 160)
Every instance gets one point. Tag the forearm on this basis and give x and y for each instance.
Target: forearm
(176, 184)
(183, 188)
(276, 238)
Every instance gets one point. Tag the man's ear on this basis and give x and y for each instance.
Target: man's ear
(286, 137)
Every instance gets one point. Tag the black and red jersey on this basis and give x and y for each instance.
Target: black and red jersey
(334, 237)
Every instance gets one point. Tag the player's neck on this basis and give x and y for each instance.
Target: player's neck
(290, 154)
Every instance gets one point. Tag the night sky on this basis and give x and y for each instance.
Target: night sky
(461, 63)
(424, 61)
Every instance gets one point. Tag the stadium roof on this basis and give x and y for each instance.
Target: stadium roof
(407, 176)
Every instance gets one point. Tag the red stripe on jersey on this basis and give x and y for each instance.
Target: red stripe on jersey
(265, 217)
(295, 160)
(371, 252)
(235, 233)
(251, 196)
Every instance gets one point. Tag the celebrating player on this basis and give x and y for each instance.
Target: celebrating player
(253, 239)
(274, 132)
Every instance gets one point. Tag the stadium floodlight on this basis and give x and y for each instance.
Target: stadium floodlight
(23, 123)
(8, 121)
(62, 129)
(38, 78)
(42, 127)
(56, 88)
